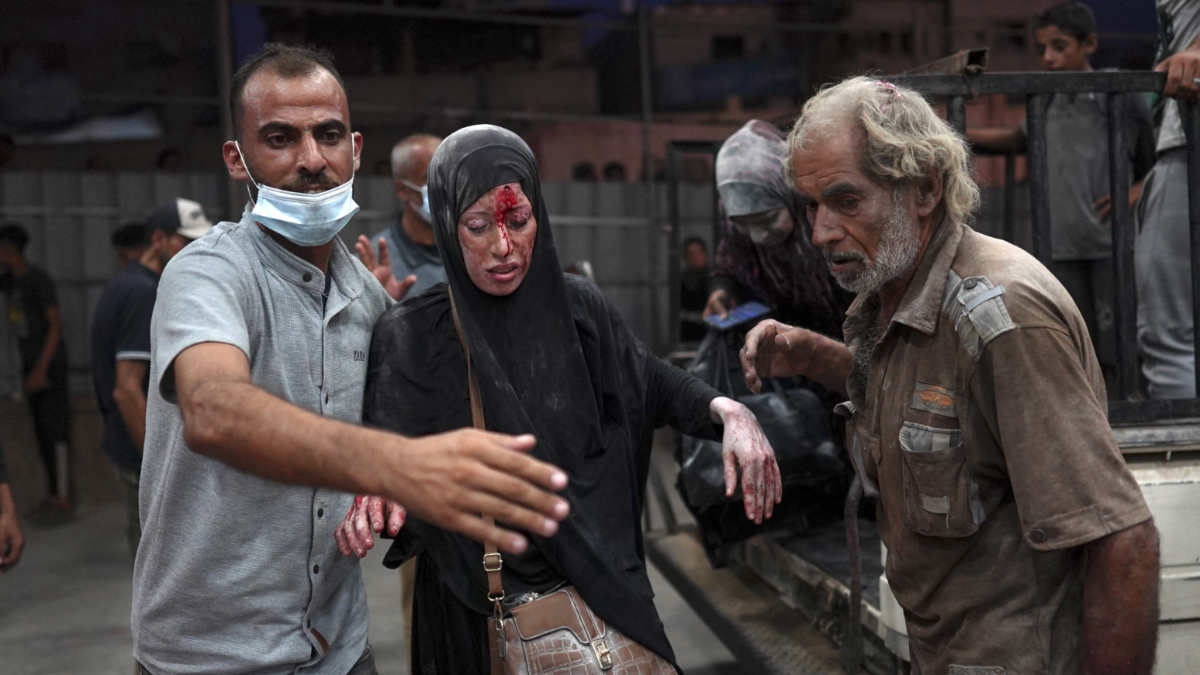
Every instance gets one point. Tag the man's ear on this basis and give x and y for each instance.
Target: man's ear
(1090, 44)
(233, 161)
(929, 194)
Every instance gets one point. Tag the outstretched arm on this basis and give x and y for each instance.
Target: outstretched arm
(447, 479)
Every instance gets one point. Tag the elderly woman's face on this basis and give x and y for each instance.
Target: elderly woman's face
(767, 228)
(496, 234)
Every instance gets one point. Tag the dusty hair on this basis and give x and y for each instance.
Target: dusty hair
(904, 143)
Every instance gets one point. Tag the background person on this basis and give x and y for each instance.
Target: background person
(764, 253)
(120, 337)
(261, 331)
(1162, 262)
(129, 242)
(34, 317)
(694, 281)
(407, 245)
(1018, 541)
(12, 540)
(1078, 180)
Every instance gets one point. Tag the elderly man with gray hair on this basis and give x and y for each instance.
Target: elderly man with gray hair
(1018, 541)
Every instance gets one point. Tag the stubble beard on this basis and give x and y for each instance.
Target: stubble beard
(898, 248)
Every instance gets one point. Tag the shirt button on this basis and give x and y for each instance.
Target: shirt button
(320, 513)
(1037, 535)
(970, 283)
(316, 569)
(307, 276)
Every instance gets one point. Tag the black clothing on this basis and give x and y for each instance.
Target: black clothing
(121, 331)
(29, 297)
(693, 296)
(552, 359)
(3, 467)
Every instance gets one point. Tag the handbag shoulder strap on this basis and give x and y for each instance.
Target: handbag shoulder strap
(493, 563)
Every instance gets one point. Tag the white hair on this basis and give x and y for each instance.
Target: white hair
(906, 142)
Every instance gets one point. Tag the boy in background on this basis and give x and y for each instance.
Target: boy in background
(1077, 154)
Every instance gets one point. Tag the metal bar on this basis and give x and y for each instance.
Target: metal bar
(1010, 197)
(673, 224)
(1191, 125)
(1039, 173)
(224, 48)
(1124, 291)
(716, 205)
(956, 113)
(644, 67)
(1150, 410)
(1033, 83)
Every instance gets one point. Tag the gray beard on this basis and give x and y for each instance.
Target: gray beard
(898, 248)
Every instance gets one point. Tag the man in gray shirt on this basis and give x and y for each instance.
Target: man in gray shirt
(1162, 259)
(258, 361)
(407, 245)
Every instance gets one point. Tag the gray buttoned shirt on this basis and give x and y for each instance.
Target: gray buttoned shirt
(237, 573)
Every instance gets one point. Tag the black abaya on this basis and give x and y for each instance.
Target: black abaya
(552, 359)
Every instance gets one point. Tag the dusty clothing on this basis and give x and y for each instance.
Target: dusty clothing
(552, 359)
(981, 423)
(1077, 152)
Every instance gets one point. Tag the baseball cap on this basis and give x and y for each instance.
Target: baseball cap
(180, 216)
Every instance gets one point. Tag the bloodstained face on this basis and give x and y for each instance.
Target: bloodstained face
(497, 234)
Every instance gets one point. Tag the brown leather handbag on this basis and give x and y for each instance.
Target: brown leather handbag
(555, 633)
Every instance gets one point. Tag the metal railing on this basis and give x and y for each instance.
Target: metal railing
(1038, 87)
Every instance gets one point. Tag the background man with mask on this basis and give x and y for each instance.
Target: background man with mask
(261, 332)
(1018, 541)
(407, 245)
(120, 338)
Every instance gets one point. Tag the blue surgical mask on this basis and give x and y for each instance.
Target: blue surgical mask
(423, 209)
(305, 219)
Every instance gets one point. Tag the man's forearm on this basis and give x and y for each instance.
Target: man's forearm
(831, 365)
(132, 405)
(248, 428)
(49, 347)
(1120, 603)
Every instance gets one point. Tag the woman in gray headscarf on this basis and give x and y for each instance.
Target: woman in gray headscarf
(766, 252)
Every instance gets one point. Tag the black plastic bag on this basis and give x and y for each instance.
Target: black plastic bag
(797, 423)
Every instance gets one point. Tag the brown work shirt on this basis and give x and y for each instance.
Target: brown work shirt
(981, 421)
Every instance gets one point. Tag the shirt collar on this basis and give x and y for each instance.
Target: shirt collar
(295, 270)
(922, 302)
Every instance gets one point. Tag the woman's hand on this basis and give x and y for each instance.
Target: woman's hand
(745, 446)
(719, 304)
(366, 518)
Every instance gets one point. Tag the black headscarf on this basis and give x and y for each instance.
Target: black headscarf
(552, 359)
(526, 341)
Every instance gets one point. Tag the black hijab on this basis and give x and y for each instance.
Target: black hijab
(524, 342)
(551, 359)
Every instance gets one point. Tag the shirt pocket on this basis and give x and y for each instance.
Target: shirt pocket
(937, 483)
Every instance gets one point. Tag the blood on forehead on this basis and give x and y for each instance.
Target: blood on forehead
(505, 201)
